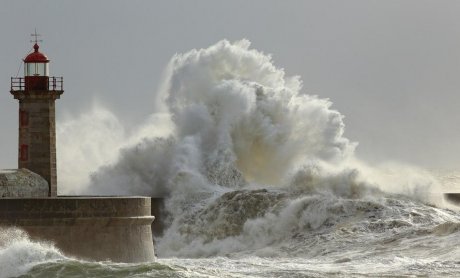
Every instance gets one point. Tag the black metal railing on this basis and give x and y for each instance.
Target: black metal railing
(18, 84)
(54, 83)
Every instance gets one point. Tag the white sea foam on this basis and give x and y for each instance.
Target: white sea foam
(248, 161)
(18, 254)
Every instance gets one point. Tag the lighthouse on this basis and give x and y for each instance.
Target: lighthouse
(37, 92)
(115, 228)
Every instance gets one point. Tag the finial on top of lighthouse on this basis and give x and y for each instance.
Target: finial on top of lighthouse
(36, 56)
(36, 40)
(35, 35)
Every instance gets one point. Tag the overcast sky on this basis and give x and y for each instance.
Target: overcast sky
(391, 67)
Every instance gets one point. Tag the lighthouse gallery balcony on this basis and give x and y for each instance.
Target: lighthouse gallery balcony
(55, 84)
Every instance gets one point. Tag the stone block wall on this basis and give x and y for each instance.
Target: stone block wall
(93, 228)
(37, 134)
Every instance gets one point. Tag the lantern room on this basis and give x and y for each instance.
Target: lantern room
(36, 74)
(36, 63)
(36, 70)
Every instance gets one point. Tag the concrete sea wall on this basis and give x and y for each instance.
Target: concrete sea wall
(95, 228)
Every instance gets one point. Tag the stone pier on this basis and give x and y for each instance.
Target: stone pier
(93, 228)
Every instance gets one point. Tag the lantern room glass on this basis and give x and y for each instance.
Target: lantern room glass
(36, 69)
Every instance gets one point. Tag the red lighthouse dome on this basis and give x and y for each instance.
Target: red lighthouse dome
(36, 56)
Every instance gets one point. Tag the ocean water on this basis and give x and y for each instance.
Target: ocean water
(259, 181)
(264, 233)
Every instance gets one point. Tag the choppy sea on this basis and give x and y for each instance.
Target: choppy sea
(276, 233)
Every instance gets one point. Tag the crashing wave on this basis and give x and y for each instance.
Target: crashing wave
(250, 161)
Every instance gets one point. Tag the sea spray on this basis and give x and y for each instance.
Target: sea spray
(18, 253)
(252, 164)
(235, 117)
(93, 140)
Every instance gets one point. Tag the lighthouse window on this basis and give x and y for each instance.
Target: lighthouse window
(40, 69)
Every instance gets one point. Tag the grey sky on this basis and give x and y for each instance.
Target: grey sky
(391, 67)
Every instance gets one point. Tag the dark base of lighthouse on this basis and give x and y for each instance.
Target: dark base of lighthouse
(92, 228)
